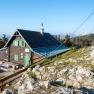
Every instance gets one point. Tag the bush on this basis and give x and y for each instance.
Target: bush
(31, 74)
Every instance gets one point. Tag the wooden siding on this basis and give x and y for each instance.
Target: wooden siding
(20, 51)
(37, 58)
(12, 50)
(4, 55)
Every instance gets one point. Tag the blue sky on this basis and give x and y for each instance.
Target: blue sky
(58, 16)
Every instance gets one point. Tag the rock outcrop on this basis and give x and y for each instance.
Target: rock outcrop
(65, 76)
(49, 80)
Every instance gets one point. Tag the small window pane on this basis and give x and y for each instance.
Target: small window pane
(21, 43)
(16, 42)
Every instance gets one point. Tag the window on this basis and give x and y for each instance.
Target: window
(16, 57)
(15, 42)
(21, 43)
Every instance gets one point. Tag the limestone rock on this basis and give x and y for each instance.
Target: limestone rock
(44, 83)
(59, 72)
(7, 91)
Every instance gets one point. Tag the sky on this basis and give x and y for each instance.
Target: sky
(58, 16)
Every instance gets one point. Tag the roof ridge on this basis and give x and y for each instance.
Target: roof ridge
(27, 30)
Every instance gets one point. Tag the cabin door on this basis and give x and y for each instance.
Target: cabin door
(27, 60)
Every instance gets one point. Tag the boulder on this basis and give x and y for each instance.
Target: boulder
(7, 91)
(44, 83)
(64, 91)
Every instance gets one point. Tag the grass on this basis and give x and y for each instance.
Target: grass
(31, 75)
(73, 53)
(45, 62)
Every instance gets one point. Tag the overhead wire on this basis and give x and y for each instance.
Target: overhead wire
(83, 22)
(88, 17)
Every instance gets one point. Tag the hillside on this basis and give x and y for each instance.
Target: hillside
(86, 37)
(70, 72)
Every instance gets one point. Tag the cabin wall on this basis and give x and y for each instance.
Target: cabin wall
(1, 55)
(37, 58)
(4, 55)
(20, 51)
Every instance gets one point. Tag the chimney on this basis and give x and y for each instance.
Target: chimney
(42, 29)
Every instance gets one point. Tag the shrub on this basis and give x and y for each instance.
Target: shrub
(31, 74)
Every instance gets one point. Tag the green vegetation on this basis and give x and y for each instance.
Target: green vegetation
(31, 74)
(88, 36)
(79, 41)
(50, 61)
(69, 54)
(3, 40)
(82, 41)
(71, 58)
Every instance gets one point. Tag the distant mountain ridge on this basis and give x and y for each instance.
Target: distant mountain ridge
(86, 37)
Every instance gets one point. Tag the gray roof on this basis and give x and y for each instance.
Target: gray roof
(42, 44)
(36, 39)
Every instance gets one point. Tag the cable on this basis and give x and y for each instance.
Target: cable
(82, 23)
(73, 31)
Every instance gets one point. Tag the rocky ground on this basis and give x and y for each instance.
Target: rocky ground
(69, 73)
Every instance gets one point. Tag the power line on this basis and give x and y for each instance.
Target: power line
(82, 23)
